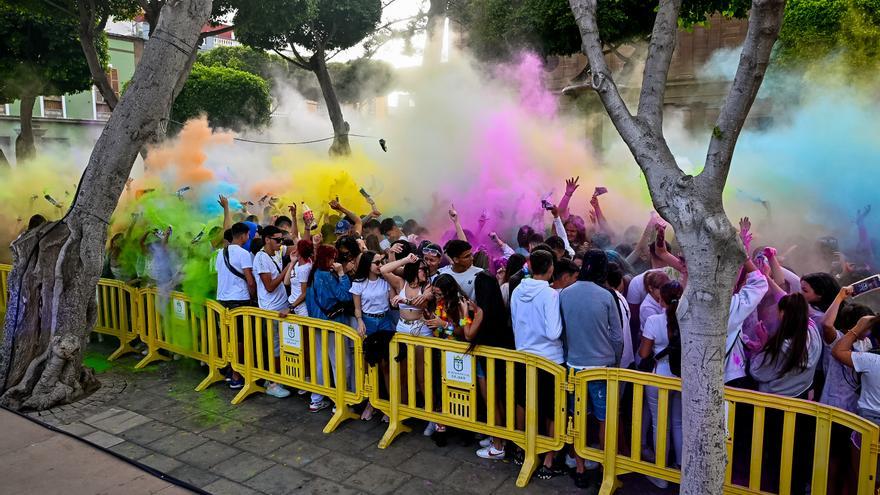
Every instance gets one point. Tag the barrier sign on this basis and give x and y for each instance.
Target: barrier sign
(291, 335)
(459, 367)
(179, 309)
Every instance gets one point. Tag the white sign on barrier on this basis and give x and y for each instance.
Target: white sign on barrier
(291, 335)
(179, 308)
(459, 367)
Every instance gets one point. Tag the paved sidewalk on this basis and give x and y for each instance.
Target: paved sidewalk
(275, 446)
(35, 459)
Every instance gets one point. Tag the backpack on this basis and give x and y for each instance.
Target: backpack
(673, 351)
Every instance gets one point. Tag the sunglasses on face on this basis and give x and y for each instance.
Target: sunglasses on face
(277, 239)
(377, 262)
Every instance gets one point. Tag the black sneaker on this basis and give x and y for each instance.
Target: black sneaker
(582, 480)
(519, 456)
(546, 473)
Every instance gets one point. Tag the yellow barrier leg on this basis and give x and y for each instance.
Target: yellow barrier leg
(123, 349)
(342, 413)
(248, 389)
(213, 377)
(395, 426)
(152, 355)
(530, 463)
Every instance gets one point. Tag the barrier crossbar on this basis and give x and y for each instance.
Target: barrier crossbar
(738, 401)
(452, 401)
(319, 356)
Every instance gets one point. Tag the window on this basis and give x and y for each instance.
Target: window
(53, 107)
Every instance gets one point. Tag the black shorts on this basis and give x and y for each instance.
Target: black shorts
(237, 304)
(546, 393)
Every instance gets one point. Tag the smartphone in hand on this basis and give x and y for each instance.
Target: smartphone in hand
(866, 285)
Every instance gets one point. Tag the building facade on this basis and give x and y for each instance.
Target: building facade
(73, 118)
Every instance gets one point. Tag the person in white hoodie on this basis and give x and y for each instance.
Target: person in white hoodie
(537, 329)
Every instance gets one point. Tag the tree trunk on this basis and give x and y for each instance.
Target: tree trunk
(340, 145)
(713, 252)
(24, 143)
(52, 305)
(434, 31)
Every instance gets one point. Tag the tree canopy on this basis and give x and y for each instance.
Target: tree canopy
(41, 55)
(231, 98)
(325, 24)
(814, 29)
(497, 28)
(244, 58)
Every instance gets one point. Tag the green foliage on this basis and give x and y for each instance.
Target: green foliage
(41, 55)
(310, 24)
(360, 79)
(231, 98)
(815, 29)
(496, 28)
(247, 59)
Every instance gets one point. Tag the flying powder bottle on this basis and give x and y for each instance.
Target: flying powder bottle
(308, 216)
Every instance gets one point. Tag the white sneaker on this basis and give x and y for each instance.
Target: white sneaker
(318, 406)
(486, 442)
(430, 429)
(571, 462)
(276, 390)
(490, 453)
(658, 482)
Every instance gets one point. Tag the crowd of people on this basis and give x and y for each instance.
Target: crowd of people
(579, 294)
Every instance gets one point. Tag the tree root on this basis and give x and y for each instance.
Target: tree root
(52, 379)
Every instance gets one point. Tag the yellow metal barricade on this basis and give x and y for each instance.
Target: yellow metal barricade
(175, 324)
(319, 356)
(759, 406)
(117, 314)
(452, 400)
(4, 289)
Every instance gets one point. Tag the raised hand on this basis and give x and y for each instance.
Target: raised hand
(411, 257)
(223, 201)
(292, 209)
(745, 227)
(453, 215)
(334, 204)
(571, 185)
(484, 217)
(862, 213)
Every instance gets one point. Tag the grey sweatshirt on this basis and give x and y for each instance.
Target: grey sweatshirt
(593, 332)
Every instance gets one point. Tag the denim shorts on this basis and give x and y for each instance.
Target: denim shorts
(374, 324)
(598, 392)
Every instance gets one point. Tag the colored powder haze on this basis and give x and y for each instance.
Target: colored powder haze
(491, 145)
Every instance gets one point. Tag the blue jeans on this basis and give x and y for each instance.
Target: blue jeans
(378, 324)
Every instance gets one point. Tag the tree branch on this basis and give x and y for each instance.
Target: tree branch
(599, 76)
(657, 64)
(765, 20)
(300, 58)
(292, 61)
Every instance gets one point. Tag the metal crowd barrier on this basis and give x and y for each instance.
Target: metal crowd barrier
(327, 358)
(452, 401)
(4, 289)
(117, 314)
(300, 360)
(757, 405)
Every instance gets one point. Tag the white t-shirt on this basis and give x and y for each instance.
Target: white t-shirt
(229, 286)
(628, 356)
(649, 308)
(385, 244)
(868, 364)
(465, 279)
(840, 381)
(374, 295)
(636, 292)
(277, 299)
(656, 329)
(300, 276)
